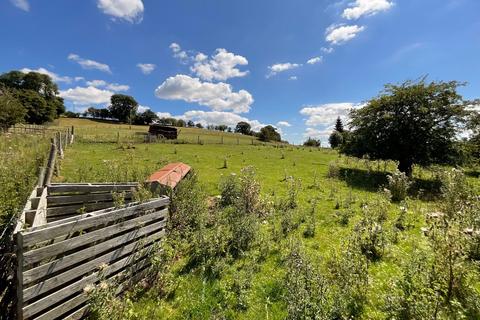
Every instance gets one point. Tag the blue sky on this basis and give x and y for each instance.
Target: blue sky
(294, 64)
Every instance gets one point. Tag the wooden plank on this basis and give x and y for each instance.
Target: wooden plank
(87, 267)
(64, 308)
(41, 212)
(54, 249)
(87, 220)
(79, 314)
(83, 198)
(87, 253)
(50, 163)
(75, 208)
(88, 188)
(78, 286)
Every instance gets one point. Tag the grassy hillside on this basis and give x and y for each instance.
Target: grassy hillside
(100, 131)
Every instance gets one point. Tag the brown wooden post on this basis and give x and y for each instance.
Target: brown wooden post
(198, 139)
(41, 177)
(19, 275)
(59, 144)
(51, 163)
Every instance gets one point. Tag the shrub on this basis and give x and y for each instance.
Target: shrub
(398, 185)
(333, 170)
(310, 142)
(229, 190)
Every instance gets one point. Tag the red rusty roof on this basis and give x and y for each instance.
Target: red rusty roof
(171, 174)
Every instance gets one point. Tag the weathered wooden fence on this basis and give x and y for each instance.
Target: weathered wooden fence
(66, 241)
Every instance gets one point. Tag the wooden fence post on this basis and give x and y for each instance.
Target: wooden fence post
(41, 177)
(51, 163)
(59, 144)
(198, 139)
(19, 275)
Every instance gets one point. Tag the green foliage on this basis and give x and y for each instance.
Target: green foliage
(339, 125)
(269, 133)
(311, 142)
(335, 139)
(413, 123)
(37, 93)
(11, 110)
(123, 107)
(229, 190)
(243, 128)
(398, 185)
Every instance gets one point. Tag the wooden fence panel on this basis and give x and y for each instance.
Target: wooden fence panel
(57, 260)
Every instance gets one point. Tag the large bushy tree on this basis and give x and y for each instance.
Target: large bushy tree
(335, 139)
(243, 128)
(269, 133)
(413, 123)
(37, 93)
(123, 107)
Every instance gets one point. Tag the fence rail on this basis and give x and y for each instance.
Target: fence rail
(58, 256)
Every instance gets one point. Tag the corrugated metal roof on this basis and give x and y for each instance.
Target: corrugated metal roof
(170, 175)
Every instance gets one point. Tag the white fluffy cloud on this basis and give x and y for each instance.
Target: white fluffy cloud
(293, 78)
(361, 8)
(218, 117)
(281, 67)
(146, 68)
(108, 86)
(55, 77)
(142, 109)
(326, 114)
(129, 10)
(283, 124)
(21, 4)
(221, 66)
(179, 53)
(318, 134)
(217, 96)
(89, 64)
(86, 95)
(315, 60)
(338, 34)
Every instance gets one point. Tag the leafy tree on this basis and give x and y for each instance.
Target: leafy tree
(180, 123)
(335, 139)
(310, 142)
(38, 111)
(221, 127)
(269, 133)
(413, 123)
(123, 107)
(37, 93)
(199, 125)
(11, 110)
(339, 125)
(70, 114)
(243, 128)
(474, 141)
(190, 124)
(145, 118)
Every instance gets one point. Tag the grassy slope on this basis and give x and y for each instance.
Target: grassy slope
(110, 162)
(92, 130)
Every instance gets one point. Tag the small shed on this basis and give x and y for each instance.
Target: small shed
(167, 132)
(170, 175)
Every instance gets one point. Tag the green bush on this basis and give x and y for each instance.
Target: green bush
(398, 185)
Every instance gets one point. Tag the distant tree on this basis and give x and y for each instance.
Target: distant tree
(412, 123)
(145, 118)
(11, 110)
(243, 128)
(210, 127)
(473, 143)
(123, 107)
(310, 142)
(70, 114)
(335, 139)
(229, 129)
(199, 125)
(37, 109)
(269, 133)
(190, 124)
(221, 127)
(339, 125)
(181, 123)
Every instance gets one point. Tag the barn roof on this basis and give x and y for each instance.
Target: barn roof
(170, 175)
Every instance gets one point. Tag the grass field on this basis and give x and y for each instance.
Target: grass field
(197, 298)
(332, 193)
